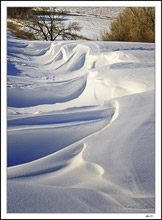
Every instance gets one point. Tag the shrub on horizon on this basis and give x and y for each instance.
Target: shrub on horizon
(134, 24)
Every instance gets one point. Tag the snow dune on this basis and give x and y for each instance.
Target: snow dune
(80, 127)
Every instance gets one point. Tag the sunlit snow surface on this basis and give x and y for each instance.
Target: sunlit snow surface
(80, 127)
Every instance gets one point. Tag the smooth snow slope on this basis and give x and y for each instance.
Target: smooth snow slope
(80, 127)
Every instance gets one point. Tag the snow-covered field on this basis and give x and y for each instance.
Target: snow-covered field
(93, 20)
(80, 127)
(91, 27)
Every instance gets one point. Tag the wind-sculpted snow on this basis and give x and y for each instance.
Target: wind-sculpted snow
(80, 127)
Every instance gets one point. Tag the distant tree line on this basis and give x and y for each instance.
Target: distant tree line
(19, 12)
(134, 24)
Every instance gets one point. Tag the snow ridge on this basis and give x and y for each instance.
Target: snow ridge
(80, 127)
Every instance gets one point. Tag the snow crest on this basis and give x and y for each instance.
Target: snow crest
(80, 127)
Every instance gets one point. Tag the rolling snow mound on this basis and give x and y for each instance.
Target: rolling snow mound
(80, 127)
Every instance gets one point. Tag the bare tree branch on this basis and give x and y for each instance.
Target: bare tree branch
(49, 26)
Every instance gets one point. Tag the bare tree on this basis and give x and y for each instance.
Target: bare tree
(49, 25)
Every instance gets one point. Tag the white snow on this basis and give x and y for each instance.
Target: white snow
(80, 127)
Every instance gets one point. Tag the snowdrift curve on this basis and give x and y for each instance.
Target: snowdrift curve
(80, 127)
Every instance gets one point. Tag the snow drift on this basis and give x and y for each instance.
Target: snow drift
(80, 127)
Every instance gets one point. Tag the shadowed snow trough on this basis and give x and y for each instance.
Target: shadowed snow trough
(80, 127)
